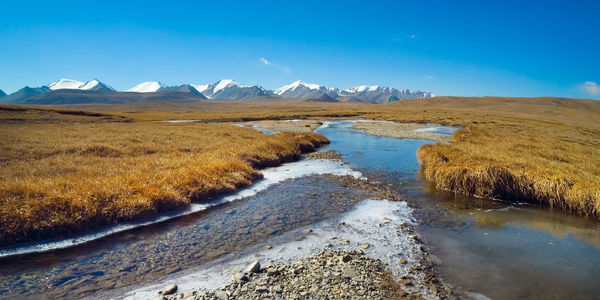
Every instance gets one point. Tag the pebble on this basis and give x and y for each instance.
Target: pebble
(345, 258)
(253, 267)
(365, 245)
(261, 289)
(325, 275)
(272, 272)
(221, 295)
(384, 221)
(169, 289)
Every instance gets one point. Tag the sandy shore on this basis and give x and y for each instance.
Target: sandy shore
(385, 129)
(287, 125)
(401, 131)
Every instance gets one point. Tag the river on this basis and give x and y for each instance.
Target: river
(484, 248)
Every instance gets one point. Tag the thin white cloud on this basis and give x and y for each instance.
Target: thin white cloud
(265, 61)
(591, 88)
(413, 36)
(430, 77)
(283, 69)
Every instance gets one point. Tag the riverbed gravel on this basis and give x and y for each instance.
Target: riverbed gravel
(325, 275)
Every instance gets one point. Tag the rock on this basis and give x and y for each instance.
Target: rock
(365, 245)
(253, 267)
(308, 231)
(169, 289)
(349, 273)
(345, 258)
(272, 272)
(161, 297)
(384, 221)
(324, 275)
(344, 241)
(222, 295)
(268, 247)
(240, 277)
(405, 281)
(180, 295)
(277, 289)
(402, 261)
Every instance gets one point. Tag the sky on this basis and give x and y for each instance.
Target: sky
(460, 48)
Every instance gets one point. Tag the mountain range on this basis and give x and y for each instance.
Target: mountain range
(65, 91)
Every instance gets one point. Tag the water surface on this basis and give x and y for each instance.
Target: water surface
(498, 249)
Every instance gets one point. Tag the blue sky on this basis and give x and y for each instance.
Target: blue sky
(470, 48)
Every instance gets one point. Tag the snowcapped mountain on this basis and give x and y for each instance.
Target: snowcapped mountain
(379, 94)
(2, 93)
(227, 89)
(146, 87)
(300, 89)
(92, 85)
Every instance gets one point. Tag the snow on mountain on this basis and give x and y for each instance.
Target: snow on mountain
(227, 89)
(200, 87)
(224, 83)
(92, 85)
(301, 89)
(362, 88)
(146, 87)
(295, 85)
(64, 83)
(378, 94)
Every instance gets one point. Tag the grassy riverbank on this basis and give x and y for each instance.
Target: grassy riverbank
(61, 178)
(71, 168)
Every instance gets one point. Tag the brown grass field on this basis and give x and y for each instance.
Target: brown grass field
(65, 172)
(57, 179)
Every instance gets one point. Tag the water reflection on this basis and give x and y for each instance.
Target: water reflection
(494, 248)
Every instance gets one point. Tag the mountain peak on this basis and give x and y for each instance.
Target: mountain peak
(296, 84)
(65, 83)
(363, 88)
(223, 83)
(147, 87)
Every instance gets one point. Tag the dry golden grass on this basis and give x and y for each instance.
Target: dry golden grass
(546, 163)
(57, 179)
(542, 150)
